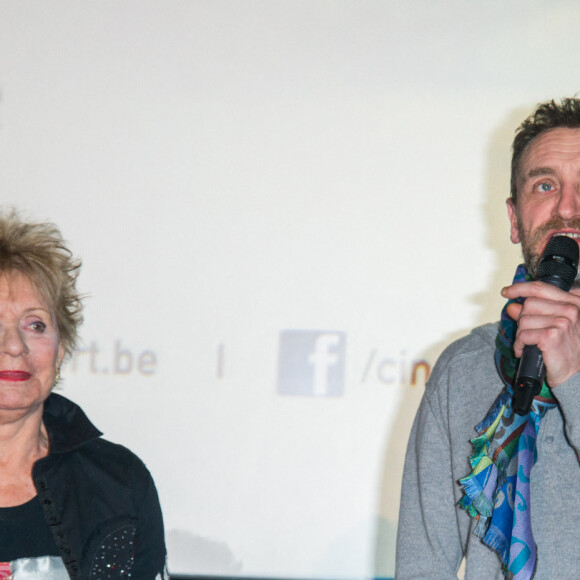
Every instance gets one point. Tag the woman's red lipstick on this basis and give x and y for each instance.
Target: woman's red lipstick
(14, 376)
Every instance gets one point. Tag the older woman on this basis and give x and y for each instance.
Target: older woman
(72, 505)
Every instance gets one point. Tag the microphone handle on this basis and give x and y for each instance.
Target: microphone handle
(530, 378)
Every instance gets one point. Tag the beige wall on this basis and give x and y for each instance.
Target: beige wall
(230, 170)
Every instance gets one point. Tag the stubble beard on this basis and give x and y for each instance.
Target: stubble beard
(529, 242)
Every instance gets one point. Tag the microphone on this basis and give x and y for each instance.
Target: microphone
(558, 267)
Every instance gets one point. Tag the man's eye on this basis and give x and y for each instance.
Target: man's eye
(545, 187)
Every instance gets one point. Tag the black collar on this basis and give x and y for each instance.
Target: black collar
(67, 425)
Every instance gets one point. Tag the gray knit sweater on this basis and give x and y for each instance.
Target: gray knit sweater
(434, 534)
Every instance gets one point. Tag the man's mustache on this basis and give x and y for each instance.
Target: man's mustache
(553, 224)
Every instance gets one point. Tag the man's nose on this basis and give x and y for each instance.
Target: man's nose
(569, 202)
(12, 342)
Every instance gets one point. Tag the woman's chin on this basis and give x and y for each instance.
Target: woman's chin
(15, 400)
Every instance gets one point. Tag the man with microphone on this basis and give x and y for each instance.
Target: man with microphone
(492, 472)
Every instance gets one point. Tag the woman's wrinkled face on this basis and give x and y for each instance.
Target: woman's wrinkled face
(30, 349)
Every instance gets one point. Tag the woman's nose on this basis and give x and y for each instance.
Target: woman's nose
(12, 342)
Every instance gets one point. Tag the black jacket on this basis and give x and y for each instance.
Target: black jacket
(99, 500)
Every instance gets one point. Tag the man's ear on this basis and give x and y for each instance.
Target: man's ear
(514, 231)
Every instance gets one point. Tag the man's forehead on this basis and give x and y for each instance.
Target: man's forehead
(551, 147)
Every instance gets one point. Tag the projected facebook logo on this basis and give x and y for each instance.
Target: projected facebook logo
(311, 363)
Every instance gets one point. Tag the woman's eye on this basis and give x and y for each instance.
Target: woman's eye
(38, 326)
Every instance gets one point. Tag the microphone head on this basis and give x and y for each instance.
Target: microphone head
(560, 259)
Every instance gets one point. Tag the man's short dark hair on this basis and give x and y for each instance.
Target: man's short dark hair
(550, 115)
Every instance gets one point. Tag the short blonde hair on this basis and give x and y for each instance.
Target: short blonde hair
(38, 251)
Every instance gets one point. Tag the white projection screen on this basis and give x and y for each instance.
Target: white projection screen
(285, 211)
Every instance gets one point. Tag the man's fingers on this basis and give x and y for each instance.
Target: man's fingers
(537, 289)
(514, 310)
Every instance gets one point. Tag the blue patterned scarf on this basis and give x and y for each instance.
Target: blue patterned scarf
(497, 492)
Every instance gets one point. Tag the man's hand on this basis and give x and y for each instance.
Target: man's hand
(550, 319)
